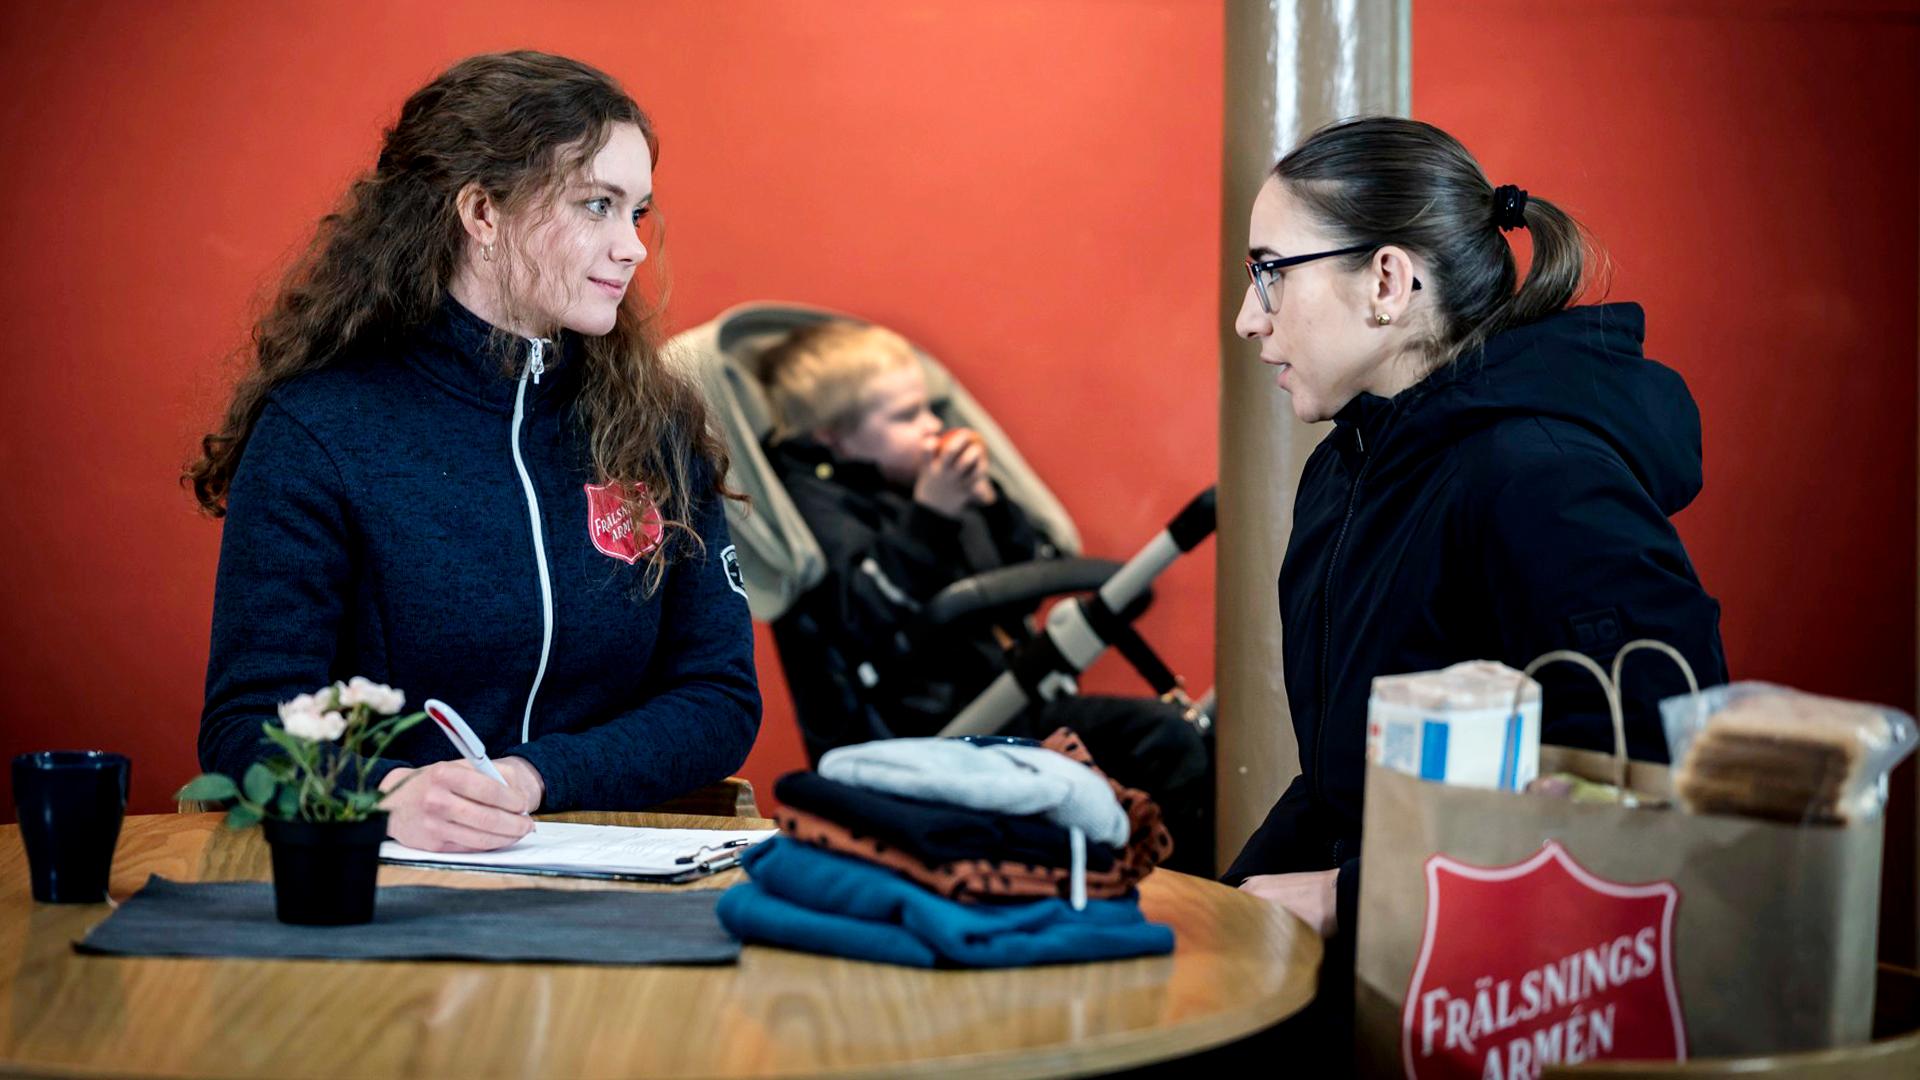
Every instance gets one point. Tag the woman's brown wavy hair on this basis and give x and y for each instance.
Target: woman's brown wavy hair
(518, 124)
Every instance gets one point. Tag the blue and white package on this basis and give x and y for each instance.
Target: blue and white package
(1457, 725)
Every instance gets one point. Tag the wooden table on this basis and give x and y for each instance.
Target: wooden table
(1239, 966)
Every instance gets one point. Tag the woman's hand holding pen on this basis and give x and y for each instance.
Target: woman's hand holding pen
(523, 778)
(450, 806)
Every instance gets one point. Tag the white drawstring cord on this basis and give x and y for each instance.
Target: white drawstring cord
(1077, 840)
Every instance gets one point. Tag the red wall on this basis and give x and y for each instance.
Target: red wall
(1755, 170)
(1028, 189)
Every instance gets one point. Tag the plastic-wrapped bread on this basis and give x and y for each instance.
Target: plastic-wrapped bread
(1766, 751)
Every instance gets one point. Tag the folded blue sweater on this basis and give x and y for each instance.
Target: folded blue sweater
(805, 898)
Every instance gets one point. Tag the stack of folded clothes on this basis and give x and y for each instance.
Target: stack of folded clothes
(941, 852)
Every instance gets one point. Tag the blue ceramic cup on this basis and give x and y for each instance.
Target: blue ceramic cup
(70, 803)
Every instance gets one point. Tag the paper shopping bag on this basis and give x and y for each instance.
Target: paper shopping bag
(1502, 931)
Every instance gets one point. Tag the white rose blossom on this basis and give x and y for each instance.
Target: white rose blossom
(322, 715)
(391, 702)
(379, 697)
(304, 717)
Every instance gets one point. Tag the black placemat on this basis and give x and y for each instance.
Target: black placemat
(423, 922)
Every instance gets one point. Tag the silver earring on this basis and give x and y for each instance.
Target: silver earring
(1383, 318)
(487, 253)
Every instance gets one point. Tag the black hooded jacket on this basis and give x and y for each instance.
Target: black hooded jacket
(1514, 503)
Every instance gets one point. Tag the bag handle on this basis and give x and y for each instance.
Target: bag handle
(1611, 686)
(1620, 658)
(1607, 686)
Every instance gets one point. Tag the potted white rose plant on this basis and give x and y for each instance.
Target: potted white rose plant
(321, 811)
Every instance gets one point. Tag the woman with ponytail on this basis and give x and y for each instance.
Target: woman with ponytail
(1497, 483)
(459, 465)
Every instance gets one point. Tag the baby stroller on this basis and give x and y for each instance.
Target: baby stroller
(780, 560)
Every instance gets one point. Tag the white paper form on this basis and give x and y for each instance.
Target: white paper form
(566, 848)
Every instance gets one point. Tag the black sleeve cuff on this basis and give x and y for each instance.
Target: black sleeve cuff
(1346, 902)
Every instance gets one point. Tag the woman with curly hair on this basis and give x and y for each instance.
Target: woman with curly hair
(458, 464)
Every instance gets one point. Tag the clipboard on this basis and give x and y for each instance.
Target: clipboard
(597, 852)
(693, 873)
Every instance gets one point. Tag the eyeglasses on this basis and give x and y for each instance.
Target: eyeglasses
(1264, 272)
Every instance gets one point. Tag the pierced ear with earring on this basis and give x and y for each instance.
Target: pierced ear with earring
(486, 252)
(1382, 318)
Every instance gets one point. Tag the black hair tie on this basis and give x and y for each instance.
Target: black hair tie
(1509, 207)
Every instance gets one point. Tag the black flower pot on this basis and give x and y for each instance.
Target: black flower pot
(323, 872)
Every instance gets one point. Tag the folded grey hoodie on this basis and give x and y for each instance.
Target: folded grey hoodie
(1001, 777)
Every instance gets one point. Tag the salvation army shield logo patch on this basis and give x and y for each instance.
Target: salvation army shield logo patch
(730, 562)
(611, 527)
(1539, 963)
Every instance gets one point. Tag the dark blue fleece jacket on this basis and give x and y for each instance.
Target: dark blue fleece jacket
(427, 520)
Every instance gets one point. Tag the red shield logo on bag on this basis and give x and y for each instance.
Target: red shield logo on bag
(1539, 963)
(610, 523)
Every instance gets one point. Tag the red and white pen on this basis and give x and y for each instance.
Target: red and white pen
(462, 737)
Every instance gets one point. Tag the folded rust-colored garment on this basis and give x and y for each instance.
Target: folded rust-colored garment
(964, 880)
(1148, 841)
(998, 879)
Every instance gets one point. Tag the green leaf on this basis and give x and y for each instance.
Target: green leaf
(295, 746)
(374, 733)
(242, 816)
(208, 787)
(259, 783)
(286, 806)
(363, 802)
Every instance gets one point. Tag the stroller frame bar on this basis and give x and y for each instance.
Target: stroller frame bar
(1072, 641)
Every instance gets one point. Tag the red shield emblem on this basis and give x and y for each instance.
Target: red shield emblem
(1539, 963)
(610, 523)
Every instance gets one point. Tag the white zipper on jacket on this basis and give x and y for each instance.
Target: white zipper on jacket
(536, 366)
